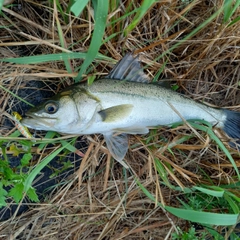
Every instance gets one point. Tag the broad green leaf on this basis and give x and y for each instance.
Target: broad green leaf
(17, 192)
(31, 193)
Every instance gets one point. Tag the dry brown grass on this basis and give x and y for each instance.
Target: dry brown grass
(102, 200)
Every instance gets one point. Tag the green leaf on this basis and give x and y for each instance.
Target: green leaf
(139, 15)
(204, 217)
(146, 192)
(230, 6)
(26, 158)
(78, 7)
(196, 216)
(208, 129)
(63, 45)
(14, 149)
(91, 79)
(162, 172)
(49, 134)
(235, 20)
(39, 167)
(1, 4)
(17, 192)
(219, 193)
(16, 96)
(52, 57)
(100, 14)
(31, 193)
(232, 204)
(3, 194)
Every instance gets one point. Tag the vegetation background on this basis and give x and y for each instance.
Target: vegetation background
(183, 181)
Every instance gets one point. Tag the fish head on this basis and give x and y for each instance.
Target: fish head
(56, 114)
(69, 112)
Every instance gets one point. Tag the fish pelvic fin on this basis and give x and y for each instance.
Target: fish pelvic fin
(117, 144)
(116, 113)
(128, 68)
(232, 127)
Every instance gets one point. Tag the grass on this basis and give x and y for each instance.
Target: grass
(183, 181)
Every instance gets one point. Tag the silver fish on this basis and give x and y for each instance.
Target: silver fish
(123, 103)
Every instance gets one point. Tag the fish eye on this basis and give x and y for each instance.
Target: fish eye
(51, 107)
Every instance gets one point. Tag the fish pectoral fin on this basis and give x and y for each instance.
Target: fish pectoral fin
(133, 130)
(117, 144)
(128, 68)
(116, 113)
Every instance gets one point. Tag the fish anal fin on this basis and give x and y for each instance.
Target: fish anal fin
(116, 113)
(117, 145)
(128, 68)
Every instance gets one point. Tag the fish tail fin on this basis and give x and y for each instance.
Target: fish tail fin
(232, 127)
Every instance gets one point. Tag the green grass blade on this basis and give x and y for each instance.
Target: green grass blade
(1, 5)
(39, 167)
(78, 7)
(231, 203)
(195, 216)
(230, 6)
(204, 217)
(52, 57)
(146, 192)
(219, 143)
(139, 15)
(219, 193)
(49, 134)
(235, 20)
(100, 22)
(209, 131)
(162, 172)
(70, 147)
(63, 45)
(16, 96)
(191, 34)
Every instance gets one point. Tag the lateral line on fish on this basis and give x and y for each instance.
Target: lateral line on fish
(185, 121)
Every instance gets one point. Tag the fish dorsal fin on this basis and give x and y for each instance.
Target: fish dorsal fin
(117, 145)
(128, 68)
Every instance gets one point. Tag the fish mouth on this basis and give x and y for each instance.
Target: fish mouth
(38, 122)
(37, 117)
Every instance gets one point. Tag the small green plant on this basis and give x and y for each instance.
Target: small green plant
(16, 182)
(13, 178)
(191, 234)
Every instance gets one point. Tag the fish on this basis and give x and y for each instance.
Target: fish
(122, 103)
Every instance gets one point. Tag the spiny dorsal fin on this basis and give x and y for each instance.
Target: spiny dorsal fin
(128, 68)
